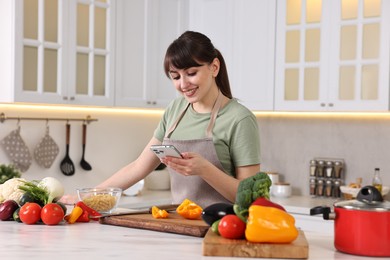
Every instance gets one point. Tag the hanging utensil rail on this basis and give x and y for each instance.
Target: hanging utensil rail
(88, 119)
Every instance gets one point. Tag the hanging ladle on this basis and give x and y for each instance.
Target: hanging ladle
(83, 163)
(67, 166)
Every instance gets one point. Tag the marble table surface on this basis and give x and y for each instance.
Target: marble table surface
(97, 241)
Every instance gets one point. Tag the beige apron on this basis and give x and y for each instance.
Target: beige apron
(194, 187)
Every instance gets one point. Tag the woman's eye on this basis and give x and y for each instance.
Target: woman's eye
(175, 77)
(191, 74)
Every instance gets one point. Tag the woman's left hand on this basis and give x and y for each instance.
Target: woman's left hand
(190, 164)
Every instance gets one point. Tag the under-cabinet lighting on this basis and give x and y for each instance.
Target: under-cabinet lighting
(83, 109)
(159, 112)
(351, 115)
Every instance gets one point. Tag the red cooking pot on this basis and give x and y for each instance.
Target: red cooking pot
(361, 226)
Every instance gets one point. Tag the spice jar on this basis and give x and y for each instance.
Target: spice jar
(328, 188)
(313, 168)
(312, 186)
(336, 189)
(338, 169)
(320, 187)
(329, 169)
(320, 168)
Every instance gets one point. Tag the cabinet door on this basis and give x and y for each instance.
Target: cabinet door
(92, 48)
(64, 52)
(332, 55)
(146, 28)
(40, 48)
(360, 51)
(244, 32)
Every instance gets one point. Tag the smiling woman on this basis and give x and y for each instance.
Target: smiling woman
(218, 137)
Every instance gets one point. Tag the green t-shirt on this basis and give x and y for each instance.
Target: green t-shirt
(235, 133)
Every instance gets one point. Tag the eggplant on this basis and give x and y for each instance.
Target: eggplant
(216, 211)
(7, 209)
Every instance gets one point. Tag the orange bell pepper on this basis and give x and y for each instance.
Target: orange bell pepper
(270, 225)
(189, 210)
(159, 213)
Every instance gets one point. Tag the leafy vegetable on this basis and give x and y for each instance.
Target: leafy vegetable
(250, 189)
(8, 172)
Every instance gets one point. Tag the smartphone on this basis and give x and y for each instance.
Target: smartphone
(165, 150)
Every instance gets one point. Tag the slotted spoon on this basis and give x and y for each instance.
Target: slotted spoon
(67, 166)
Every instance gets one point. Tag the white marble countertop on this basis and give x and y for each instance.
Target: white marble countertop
(96, 241)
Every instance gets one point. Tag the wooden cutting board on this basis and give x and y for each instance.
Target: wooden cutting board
(214, 245)
(173, 224)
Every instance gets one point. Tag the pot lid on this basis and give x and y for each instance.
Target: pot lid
(382, 206)
(369, 198)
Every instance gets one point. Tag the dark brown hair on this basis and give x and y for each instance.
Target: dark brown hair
(191, 49)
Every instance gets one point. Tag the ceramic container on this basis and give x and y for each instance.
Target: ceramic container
(281, 189)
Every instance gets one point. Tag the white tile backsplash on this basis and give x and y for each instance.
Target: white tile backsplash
(287, 144)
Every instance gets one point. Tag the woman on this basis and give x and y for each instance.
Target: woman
(217, 136)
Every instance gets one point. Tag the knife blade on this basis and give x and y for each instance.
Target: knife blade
(148, 210)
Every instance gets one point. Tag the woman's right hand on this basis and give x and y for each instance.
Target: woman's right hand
(69, 199)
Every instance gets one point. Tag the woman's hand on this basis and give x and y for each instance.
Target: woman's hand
(191, 164)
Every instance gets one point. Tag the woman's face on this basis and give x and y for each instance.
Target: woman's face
(195, 83)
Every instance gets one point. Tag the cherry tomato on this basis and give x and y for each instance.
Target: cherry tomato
(30, 213)
(231, 227)
(52, 214)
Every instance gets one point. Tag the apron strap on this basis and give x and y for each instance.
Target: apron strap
(173, 126)
(213, 117)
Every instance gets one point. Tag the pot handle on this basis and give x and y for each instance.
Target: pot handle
(325, 211)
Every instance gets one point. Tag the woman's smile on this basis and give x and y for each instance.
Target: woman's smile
(190, 92)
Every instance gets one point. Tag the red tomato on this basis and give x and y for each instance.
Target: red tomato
(232, 227)
(30, 213)
(52, 214)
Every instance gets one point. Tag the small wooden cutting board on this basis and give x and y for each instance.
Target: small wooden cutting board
(214, 245)
(173, 224)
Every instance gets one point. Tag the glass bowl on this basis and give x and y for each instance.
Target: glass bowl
(103, 200)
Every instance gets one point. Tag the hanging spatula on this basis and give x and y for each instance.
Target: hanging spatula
(83, 163)
(67, 166)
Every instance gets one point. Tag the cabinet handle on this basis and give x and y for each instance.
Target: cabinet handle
(151, 102)
(71, 98)
(148, 102)
(330, 104)
(322, 104)
(154, 102)
(65, 98)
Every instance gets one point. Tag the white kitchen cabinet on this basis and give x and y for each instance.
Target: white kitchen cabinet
(244, 32)
(61, 52)
(332, 55)
(145, 30)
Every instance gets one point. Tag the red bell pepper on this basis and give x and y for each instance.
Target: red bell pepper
(261, 201)
(84, 217)
(91, 212)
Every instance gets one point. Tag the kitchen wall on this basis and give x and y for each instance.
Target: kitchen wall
(288, 142)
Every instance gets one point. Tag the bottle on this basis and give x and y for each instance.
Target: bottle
(377, 180)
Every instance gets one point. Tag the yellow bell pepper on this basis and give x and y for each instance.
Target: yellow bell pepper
(159, 213)
(74, 215)
(270, 225)
(189, 209)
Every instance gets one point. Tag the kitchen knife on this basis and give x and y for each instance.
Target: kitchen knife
(167, 207)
